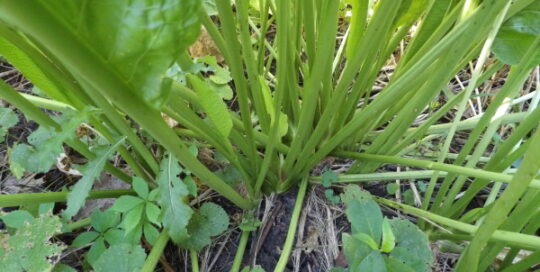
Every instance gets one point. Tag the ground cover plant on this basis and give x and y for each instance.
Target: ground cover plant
(293, 84)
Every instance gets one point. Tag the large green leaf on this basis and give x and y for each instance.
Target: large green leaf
(172, 191)
(412, 245)
(30, 249)
(211, 220)
(374, 262)
(517, 34)
(91, 171)
(121, 258)
(354, 249)
(139, 39)
(365, 217)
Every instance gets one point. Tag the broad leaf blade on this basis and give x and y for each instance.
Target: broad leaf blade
(517, 34)
(172, 191)
(213, 105)
(91, 171)
(30, 249)
(121, 258)
(211, 220)
(139, 39)
(365, 218)
(374, 262)
(412, 246)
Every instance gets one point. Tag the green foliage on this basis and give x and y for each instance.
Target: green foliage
(44, 145)
(16, 219)
(91, 171)
(329, 177)
(106, 232)
(140, 214)
(249, 223)
(298, 98)
(517, 34)
(210, 220)
(213, 105)
(122, 258)
(138, 39)
(404, 245)
(30, 248)
(172, 199)
(8, 119)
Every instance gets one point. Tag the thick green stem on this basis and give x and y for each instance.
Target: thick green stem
(385, 176)
(240, 251)
(36, 198)
(194, 261)
(291, 233)
(508, 237)
(466, 171)
(155, 253)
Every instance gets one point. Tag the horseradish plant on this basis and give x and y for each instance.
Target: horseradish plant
(302, 92)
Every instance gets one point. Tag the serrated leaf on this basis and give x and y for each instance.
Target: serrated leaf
(210, 220)
(134, 236)
(153, 195)
(30, 249)
(212, 105)
(7, 120)
(176, 213)
(152, 212)
(412, 245)
(133, 217)
(150, 233)
(139, 40)
(121, 258)
(91, 171)
(329, 177)
(84, 238)
(140, 186)
(126, 203)
(365, 217)
(353, 192)
(114, 236)
(388, 238)
(224, 90)
(96, 250)
(47, 144)
(103, 220)
(17, 219)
